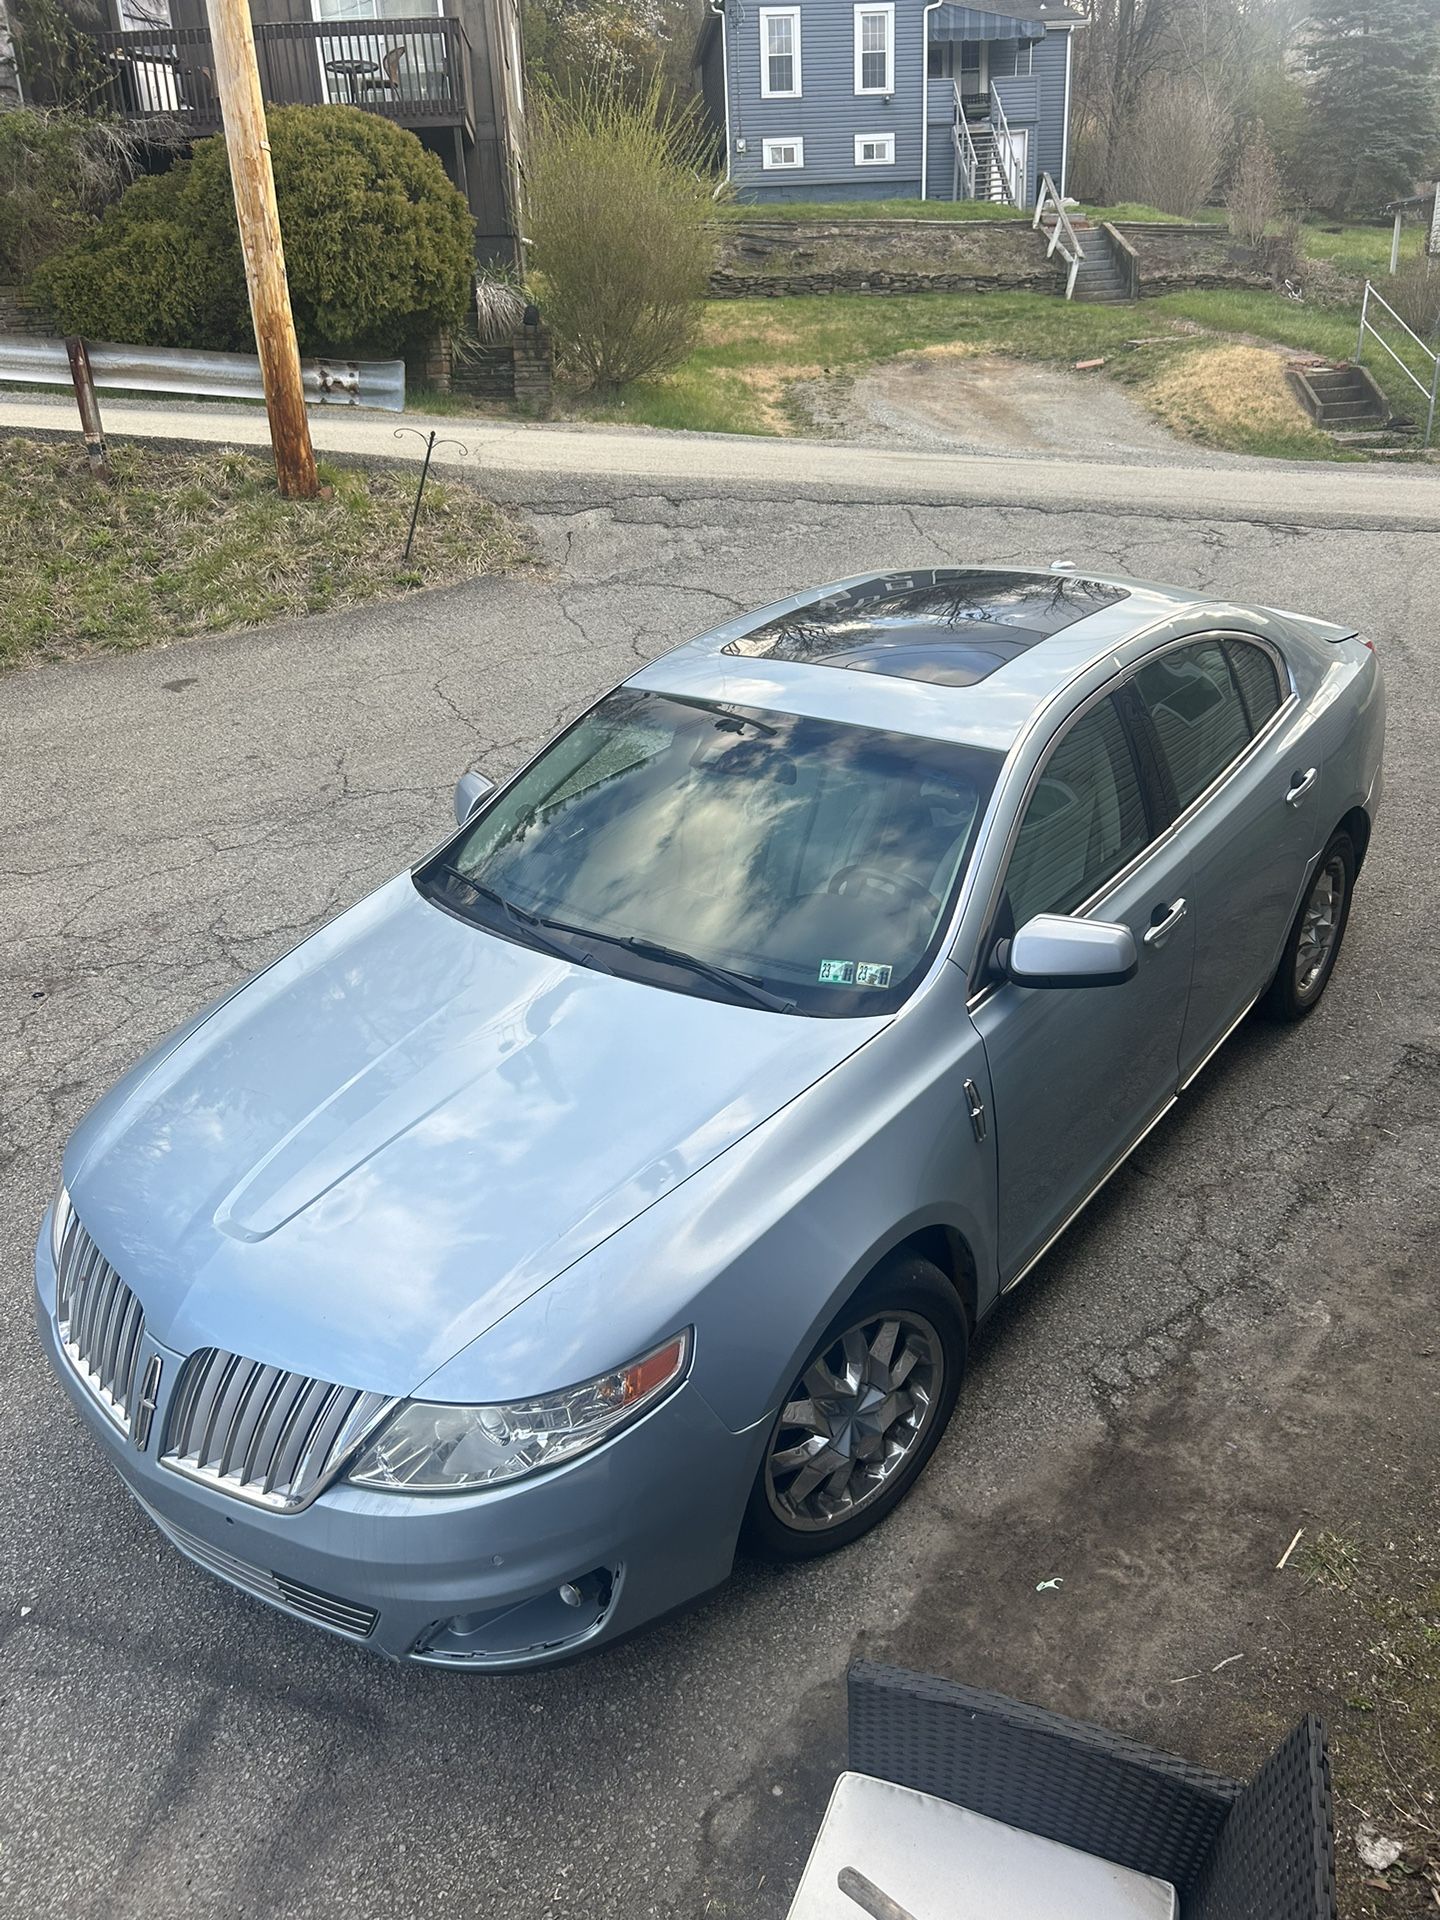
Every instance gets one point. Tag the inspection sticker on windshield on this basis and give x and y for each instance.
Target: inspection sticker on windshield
(869, 973)
(837, 973)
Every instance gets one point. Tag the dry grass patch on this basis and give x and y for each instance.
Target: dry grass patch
(1235, 396)
(738, 327)
(180, 544)
(770, 387)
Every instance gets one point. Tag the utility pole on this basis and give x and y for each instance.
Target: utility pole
(237, 81)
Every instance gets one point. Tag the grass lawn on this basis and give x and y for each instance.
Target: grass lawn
(1364, 251)
(738, 378)
(181, 544)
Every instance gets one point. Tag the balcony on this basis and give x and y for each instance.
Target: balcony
(414, 71)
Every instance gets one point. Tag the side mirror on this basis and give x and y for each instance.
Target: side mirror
(1053, 950)
(470, 789)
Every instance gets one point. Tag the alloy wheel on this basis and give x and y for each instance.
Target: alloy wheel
(854, 1418)
(1321, 925)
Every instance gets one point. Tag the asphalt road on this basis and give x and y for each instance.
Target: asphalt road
(173, 819)
(1374, 494)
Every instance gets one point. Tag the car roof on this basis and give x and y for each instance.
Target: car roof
(963, 653)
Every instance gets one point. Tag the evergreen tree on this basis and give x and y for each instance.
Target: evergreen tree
(1374, 100)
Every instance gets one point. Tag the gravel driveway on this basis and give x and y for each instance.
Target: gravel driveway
(1236, 1340)
(943, 400)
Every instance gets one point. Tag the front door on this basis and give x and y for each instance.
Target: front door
(1012, 157)
(1078, 1073)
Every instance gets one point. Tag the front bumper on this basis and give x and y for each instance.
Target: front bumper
(635, 1529)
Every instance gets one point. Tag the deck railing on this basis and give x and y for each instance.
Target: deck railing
(416, 71)
(1063, 238)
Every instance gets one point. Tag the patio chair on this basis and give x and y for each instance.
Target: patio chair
(388, 78)
(1231, 1851)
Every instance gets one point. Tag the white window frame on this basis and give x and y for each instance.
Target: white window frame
(885, 141)
(886, 10)
(767, 14)
(770, 165)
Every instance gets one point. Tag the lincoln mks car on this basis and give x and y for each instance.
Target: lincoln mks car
(622, 1186)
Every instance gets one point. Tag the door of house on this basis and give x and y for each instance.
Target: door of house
(1012, 154)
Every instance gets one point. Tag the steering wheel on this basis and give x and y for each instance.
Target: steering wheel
(885, 882)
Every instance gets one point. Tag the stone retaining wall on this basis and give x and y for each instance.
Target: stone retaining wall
(766, 258)
(519, 370)
(18, 314)
(1172, 258)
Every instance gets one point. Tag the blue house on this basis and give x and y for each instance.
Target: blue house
(889, 99)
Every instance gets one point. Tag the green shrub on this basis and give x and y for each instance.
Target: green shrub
(379, 246)
(618, 214)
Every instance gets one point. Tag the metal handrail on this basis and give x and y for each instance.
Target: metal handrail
(967, 161)
(1432, 392)
(1074, 252)
(1000, 131)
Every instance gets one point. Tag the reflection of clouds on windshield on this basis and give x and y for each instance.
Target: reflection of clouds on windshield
(765, 843)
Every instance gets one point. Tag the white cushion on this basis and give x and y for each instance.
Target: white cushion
(942, 1862)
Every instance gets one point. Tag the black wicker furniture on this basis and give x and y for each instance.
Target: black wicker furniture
(1262, 1851)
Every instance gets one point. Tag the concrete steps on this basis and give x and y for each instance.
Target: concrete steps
(1101, 281)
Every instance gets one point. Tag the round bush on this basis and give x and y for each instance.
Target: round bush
(379, 246)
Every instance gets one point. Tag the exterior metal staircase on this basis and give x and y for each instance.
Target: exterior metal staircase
(986, 164)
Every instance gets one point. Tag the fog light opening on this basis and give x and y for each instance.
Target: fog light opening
(563, 1615)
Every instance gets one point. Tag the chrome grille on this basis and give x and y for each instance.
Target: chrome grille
(262, 1434)
(100, 1322)
(341, 1616)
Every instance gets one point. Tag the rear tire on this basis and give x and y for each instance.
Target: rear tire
(1315, 937)
(864, 1415)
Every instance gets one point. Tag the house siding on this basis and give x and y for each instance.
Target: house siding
(1047, 143)
(828, 114)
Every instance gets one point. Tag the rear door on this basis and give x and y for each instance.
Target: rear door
(1242, 765)
(1078, 1074)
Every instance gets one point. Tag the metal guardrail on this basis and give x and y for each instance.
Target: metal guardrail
(33, 361)
(1430, 393)
(1068, 248)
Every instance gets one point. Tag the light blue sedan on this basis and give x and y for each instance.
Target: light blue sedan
(625, 1183)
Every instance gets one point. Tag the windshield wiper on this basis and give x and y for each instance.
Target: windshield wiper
(743, 984)
(551, 935)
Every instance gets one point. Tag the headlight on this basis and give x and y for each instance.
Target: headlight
(425, 1448)
(59, 1220)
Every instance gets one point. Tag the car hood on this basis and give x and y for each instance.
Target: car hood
(363, 1159)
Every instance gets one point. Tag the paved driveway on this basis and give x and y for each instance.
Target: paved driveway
(1176, 1380)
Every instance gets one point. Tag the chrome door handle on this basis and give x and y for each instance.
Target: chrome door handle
(1155, 934)
(1301, 784)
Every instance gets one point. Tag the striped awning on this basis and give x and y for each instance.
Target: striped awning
(970, 23)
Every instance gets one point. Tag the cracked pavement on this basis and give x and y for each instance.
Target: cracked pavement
(1232, 1337)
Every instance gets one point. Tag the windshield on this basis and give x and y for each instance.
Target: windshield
(751, 856)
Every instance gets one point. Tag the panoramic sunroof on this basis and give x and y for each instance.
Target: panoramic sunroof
(950, 626)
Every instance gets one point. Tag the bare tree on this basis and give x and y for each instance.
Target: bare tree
(1175, 148)
(1256, 191)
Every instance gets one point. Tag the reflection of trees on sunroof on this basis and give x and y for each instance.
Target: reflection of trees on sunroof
(911, 625)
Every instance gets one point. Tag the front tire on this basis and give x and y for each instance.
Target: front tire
(863, 1416)
(1315, 938)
